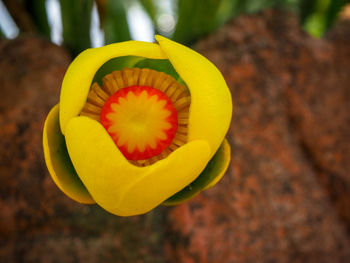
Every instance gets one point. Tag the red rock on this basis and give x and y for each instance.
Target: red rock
(285, 197)
(38, 223)
(291, 114)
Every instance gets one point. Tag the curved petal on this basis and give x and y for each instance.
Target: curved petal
(78, 78)
(120, 187)
(212, 174)
(58, 162)
(211, 103)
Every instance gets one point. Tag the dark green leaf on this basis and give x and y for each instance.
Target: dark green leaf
(317, 17)
(116, 64)
(333, 11)
(115, 22)
(161, 65)
(195, 19)
(37, 10)
(76, 21)
(307, 7)
(2, 35)
(312, 15)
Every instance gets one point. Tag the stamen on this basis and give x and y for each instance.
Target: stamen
(182, 129)
(109, 84)
(143, 76)
(182, 121)
(136, 74)
(173, 147)
(182, 103)
(90, 115)
(119, 79)
(145, 112)
(165, 84)
(100, 92)
(95, 99)
(89, 107)
(128, 77)
(184, 114)
(171, 89)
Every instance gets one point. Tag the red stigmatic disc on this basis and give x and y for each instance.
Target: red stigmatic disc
(141, 120)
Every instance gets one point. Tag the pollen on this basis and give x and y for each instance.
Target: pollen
(144, 111)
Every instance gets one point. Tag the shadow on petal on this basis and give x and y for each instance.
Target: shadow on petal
(59, 163)
(120, 187)
(212, 174)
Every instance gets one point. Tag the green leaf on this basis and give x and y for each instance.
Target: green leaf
(115, 64)
(115, 22)
(76, 21)
(195, 19)
(161, 65)
(2, 35)
(315, 24)
(307, 7)
(37, 10)
(317, 16)
(333, 11)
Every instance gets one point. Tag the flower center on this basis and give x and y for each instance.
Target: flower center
(144, 111)
(141, 120)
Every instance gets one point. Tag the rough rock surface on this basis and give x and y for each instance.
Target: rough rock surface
(285, 197)
(37, 222)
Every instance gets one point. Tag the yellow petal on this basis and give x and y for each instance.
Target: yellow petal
(120, 187)
(78, 78)
(211, 103)
(58, 162)
(212, 174)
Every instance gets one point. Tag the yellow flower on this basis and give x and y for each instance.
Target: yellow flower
(126, 158)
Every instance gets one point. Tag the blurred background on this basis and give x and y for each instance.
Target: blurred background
(82, 24)
(286, 194)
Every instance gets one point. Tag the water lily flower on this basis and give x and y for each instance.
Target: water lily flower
(137, 137)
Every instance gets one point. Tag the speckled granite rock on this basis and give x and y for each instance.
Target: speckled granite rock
(285, 197)
(320, 113)
(38, 223)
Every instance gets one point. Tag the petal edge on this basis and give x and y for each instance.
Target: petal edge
(120, 187)
(78, 78)
(58, 162)
(210, 176)
(211, 103)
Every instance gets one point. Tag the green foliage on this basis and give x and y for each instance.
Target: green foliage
(115, 22)
(115, 64)
(161, 65)
(251, 6)
(37, 11)
(195, 18)
(318, 16)
(2, 35)
(76, 22)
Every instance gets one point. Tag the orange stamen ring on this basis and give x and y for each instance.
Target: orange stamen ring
(141, 120)
(146, 85)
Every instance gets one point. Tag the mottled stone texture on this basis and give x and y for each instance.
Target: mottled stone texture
(285, 197)
(38, 223)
